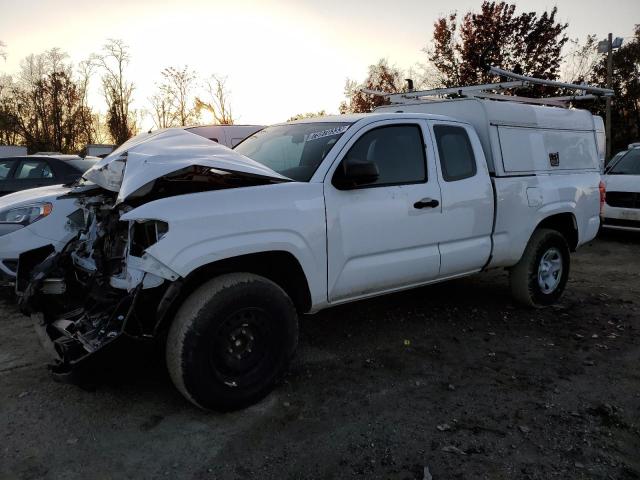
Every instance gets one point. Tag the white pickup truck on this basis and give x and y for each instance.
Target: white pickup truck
(215, 252)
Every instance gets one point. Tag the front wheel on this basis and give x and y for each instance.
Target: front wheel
(231, 340)
(539, 278)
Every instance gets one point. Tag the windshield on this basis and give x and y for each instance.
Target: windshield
(293, 150)
(629, 164)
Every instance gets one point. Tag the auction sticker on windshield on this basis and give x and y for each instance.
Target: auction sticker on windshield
(326, 133)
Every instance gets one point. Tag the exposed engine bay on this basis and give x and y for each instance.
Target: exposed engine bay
(85, 296)
(103, 285)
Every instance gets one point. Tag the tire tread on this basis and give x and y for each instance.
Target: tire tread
(187, 315)
(523, 275)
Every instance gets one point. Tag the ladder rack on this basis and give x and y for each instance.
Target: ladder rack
(488, 91)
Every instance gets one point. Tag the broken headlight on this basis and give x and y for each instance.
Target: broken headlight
(26, 214)
(145, 233)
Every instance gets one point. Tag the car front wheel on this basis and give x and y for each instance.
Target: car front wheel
(231, 341)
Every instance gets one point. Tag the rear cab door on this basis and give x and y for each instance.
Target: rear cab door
(467, 198)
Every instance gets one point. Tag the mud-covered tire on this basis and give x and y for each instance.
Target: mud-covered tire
(530, 281)
(231, 341)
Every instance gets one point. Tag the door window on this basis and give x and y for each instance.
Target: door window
(33, 169)
(397, 150)
(5, 168)
(456, 154)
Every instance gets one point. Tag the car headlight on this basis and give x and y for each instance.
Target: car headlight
(26, 214)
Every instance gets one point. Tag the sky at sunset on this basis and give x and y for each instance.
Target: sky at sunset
(280, 57)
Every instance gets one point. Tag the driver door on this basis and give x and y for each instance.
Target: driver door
(382, 236)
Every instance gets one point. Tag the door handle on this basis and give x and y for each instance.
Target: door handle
(426, 203)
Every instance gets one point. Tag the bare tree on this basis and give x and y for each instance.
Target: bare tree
(99, 129)
(29, 107)
(176, 103)
(90, 123)
(9, 131)
(33, 67)
(302, 116)
(3, 50)
(118, 92)
(57, 61)
(44, 107)
(581, 60)
(85, 71)
(218, 102)
(161, 111)
(424, 75)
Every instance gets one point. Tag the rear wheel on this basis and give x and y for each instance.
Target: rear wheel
(539, 278)
(231, 340)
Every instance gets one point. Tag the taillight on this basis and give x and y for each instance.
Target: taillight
(603, 196)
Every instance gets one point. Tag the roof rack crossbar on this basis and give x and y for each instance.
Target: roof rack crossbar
(607, 92)
(394, 97)
(455, 90)
(555, 101)
(487, 90)
(517, 99)
(571, 98)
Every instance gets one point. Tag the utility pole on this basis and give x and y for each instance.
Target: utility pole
(608, 99)
(608, 46)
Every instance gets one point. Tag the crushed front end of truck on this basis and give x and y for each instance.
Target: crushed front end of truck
(84, 297)
(104, 285)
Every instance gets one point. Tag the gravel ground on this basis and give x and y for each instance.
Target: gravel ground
(448, 381)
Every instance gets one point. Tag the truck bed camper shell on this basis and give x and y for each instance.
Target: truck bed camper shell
(519, 135)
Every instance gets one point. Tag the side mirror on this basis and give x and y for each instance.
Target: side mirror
(353, 173)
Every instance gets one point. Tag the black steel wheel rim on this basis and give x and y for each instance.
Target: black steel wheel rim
(242, 343)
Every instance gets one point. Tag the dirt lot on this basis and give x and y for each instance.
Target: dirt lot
(454, 378)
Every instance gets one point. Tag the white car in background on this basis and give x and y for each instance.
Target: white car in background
(37, 218)
(32, 219)
(622, 203)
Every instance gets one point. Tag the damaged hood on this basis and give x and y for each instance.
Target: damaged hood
(150, 156)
